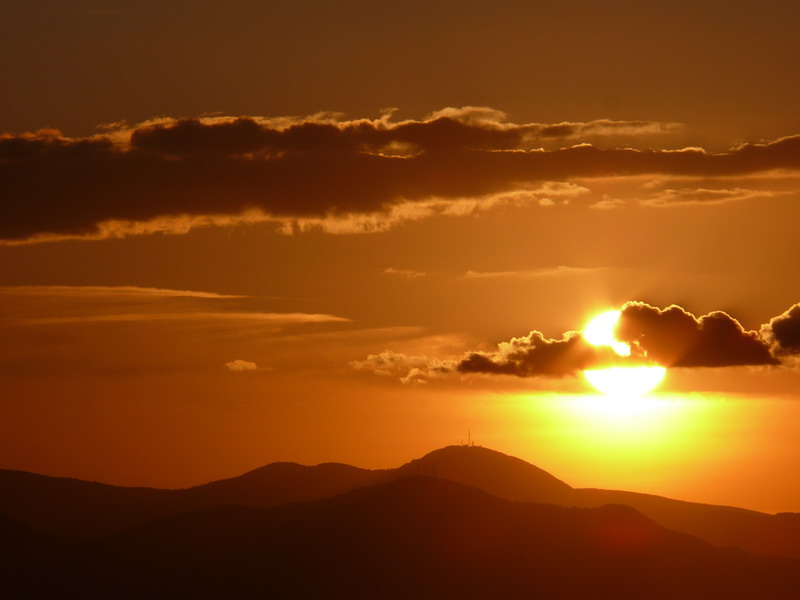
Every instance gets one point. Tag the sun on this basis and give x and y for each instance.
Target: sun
(600, 332)
(624, 382)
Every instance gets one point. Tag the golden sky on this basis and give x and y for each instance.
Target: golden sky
(235, 233)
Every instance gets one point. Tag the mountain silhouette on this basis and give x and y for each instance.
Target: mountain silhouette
(497, 473)
(66, 506)
(77, 508)
(414, 537)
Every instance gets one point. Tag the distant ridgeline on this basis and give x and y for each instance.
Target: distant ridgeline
(462, 521)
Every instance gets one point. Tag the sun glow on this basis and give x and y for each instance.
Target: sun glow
(626, 382)
(622, 382)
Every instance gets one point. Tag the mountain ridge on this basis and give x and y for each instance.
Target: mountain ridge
(415, 536)
(67, 506)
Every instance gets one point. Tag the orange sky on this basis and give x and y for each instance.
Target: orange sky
(220, 245)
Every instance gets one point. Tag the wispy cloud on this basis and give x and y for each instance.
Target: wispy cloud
(109, 291)
(408, 369)
(60, 304)
(607, 203)
(256, 317)
(531, 273)
(404, 211)
(678, 197)
(405, 273)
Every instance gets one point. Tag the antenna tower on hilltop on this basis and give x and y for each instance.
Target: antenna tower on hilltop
(469, 438)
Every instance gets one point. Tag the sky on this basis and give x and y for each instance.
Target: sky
(233, 233)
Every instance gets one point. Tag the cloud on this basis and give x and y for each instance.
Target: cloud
(254, 317)
(406, 211)
(530, 273)
(671, 337)
(607, 203)
(783, 332)
(606, 127)
(405, 273)
(534, 355)
(409, 369)
(240, 366)
(340, 176)
(109, 291)
(672, 197)
(39, 306)
(126, 329)
(674, 337)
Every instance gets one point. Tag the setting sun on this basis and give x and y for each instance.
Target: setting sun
(627, 382)
(600, 332)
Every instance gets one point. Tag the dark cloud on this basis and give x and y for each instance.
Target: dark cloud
(784, 332)
(536, 356)
(673, 337)
(50, 145)
(532, 355)
(188, 137)
(224, 170)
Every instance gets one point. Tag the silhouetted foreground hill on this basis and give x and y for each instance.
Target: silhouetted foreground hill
(73, 507)
(416, 537)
